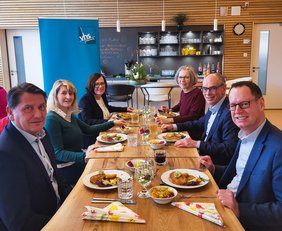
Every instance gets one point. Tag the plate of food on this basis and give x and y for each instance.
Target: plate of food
(124, 129)
(137, 111)
(104, 179)
(125, 116)
(185, 178)
(112, 138)
(168, 114)
(172, 136)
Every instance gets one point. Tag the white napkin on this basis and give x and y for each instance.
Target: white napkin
(111, 148)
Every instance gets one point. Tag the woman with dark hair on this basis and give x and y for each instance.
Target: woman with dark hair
(94, 107)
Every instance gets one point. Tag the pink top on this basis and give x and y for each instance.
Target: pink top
(190, 107)
(3, 102)
(3, 122)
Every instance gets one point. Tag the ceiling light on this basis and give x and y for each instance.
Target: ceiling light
(118, 21)
(163, 21)
(215, 19)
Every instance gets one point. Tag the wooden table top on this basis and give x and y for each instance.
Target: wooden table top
(158, 217)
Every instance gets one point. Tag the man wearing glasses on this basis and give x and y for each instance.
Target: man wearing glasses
(251, 183)
(219, 132)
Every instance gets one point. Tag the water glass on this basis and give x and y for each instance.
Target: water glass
(132, 140)
(125, 188)
(145, 133)
(144, 174)
(160, 157)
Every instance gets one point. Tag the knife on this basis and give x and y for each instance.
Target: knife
(107, 200)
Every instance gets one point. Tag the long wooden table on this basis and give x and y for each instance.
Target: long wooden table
(158, 217)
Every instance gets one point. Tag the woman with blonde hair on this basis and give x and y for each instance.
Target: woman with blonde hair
(67, 131)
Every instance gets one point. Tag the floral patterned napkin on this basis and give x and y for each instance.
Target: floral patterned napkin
(206, 211)
(115, 211)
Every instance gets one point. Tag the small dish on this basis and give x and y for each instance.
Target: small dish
(159, 193)
(157, 143)
(134, 163)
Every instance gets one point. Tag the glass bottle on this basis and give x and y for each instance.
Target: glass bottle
(205, 70)
(218, 68)
(200, 69)
(208, 69)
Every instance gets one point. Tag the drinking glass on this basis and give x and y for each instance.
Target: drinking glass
(134, 118)
(144, 132)
(153, 129)
(147, 113)
(144, 174)
(125, 188)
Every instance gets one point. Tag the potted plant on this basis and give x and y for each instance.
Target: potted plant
(138, 74)
(179, 19)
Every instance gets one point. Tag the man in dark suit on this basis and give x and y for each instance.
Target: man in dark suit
(31, 191)
(251, 183)
(219, 132)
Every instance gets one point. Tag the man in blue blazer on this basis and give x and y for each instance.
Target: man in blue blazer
(219, 132)
(31, 190)
(253, 177)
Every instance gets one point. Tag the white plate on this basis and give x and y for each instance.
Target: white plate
(120, 174)
(123, 138)
(162, 137)
(175, 114)
(165, 178)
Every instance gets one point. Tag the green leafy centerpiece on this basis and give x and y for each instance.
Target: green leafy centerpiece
(138, 74)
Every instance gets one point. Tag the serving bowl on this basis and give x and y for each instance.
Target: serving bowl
(157, 143)
(162, 194)
(134, 163)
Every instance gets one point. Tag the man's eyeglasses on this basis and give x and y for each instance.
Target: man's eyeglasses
(211, 89)
(242, 105)
(99, 84)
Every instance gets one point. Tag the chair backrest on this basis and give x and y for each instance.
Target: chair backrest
(120, 89)
(157, 88)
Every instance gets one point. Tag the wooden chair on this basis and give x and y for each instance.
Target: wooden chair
(120, 93)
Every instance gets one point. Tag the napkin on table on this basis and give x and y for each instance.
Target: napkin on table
(115, 211)
(206, 211)
(111, 148)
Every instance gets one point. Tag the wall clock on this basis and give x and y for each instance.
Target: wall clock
(239, 29)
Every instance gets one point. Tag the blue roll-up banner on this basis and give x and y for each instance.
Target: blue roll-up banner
(70, 50)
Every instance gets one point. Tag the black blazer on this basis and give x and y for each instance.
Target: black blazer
(91, 113)
(27, 198)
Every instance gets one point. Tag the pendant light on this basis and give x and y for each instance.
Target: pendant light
(215, 19)
(163, 21)
(118, 21)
